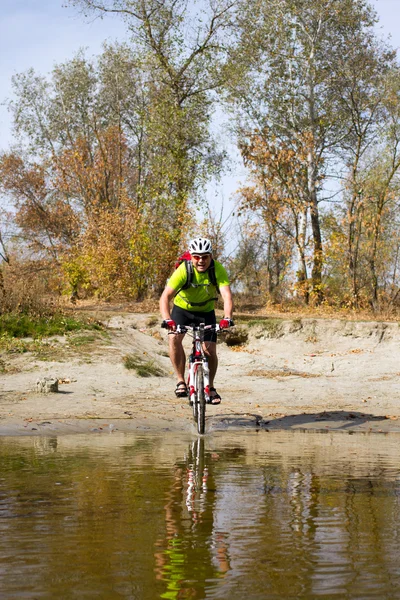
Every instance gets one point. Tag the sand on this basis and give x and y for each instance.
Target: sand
(308, 374)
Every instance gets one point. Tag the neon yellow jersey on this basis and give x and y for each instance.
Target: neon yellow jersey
(201, 289)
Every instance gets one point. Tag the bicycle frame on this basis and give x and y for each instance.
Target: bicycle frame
(196, 358)
(198, 370)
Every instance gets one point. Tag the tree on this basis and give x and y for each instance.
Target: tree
(280, 177)
(362, 88)
(260, 266)
(288, 54)
(4, 252)
(48, 223)
(5, 219)
(180, 49)
(105, 137)
(368, 247)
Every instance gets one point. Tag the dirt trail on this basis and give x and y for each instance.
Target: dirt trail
(302, 373)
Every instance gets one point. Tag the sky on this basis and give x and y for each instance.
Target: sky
(42, 33)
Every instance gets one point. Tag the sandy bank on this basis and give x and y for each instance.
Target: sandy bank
(294, 374)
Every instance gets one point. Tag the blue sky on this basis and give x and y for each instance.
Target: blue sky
(41, 33)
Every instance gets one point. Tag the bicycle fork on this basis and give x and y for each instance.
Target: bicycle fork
(194, 361)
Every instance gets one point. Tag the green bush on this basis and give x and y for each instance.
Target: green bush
(13, 345)
(143, 368)
(271, 328)
(24, 325)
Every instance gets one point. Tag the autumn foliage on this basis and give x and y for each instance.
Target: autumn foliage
(112, 155)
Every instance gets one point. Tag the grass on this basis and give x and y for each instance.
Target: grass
(238, 336)
(81, 333)
(24, 325)
(264, 323)
(259, 321)
(297, 325)
(143, 368)
(84, 344)
(271, 327)
(274, 373)
(44, 350)
(82, 339)
(152, 321)
(13, 345)
(246, 319)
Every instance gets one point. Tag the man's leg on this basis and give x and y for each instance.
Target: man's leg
(210, 349)
(177, 354)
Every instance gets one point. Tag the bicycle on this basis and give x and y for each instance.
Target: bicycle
(197, 476)
(198, 372)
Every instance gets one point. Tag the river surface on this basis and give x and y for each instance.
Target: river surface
(238, 516)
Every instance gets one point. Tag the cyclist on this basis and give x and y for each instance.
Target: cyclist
(195, 305)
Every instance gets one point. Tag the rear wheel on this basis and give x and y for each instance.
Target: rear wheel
(200, 400)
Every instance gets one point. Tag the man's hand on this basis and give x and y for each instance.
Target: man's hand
(169, 324)
(225, 323)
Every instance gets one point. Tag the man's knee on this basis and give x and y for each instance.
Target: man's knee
(210, 349)
(175, 341)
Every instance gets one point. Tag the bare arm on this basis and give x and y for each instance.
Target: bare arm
(228, 301)
(165, 301)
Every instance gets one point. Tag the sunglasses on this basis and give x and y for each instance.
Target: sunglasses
(197, 257)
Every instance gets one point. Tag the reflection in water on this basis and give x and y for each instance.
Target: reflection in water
(191, 552)
(272, 515)
(197, 478)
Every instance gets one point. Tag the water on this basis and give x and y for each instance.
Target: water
(256, 516)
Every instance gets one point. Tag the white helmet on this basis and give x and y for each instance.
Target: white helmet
(200, 246)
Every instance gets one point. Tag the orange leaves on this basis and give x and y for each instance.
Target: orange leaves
(25, 181)
(93, 171)
(279, 170)
(47, 220)
(279, 173)
(76, 208)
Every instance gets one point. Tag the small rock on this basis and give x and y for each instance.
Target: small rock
(47, 385)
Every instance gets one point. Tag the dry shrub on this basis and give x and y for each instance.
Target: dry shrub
(247, 307)
(235, 337)
(276, 373)
(29, 287)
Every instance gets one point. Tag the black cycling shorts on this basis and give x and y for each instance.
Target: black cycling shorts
(185, 317)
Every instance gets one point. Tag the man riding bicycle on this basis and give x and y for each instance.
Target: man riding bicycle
(193, 305)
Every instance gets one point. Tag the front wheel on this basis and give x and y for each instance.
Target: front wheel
(200, 400)
(195, 407)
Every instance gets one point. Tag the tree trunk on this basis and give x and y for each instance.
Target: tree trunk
(372, 261)
(312, 190)
(316, 274)
(2, 290)
(301, 274)
(318, 254)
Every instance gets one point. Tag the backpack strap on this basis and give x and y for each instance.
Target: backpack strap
(189, 276)
(213, 277)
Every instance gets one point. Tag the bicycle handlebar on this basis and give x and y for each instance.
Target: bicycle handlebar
(186, 328)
